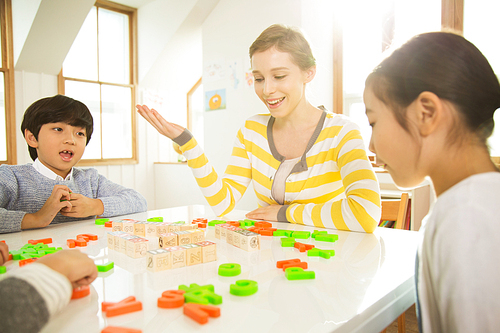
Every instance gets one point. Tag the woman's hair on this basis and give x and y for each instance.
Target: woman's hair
(285, 39)
(447, 65)
(58, 108)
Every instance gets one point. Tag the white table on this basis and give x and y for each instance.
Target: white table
(366, 286)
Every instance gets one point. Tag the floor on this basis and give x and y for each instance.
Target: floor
(411, 323)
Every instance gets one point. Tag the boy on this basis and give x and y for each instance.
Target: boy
(57, 130)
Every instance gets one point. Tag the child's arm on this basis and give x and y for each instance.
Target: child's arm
(76, 266)
(39, 290)
(57, 201)
(117, 199)
(4, 253)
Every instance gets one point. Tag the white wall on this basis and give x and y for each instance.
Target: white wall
(222, 37)
(227, 34)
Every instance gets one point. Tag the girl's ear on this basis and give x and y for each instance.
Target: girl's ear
(429, 112)
(310, 74)
(30, 138)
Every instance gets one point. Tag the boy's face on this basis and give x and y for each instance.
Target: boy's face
(59, 146)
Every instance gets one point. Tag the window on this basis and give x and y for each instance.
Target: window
(365, 35)
(479, 27)
(7, 111)
(99, 71)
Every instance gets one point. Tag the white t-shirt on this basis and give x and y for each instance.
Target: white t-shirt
(459, 259)
(279, 183)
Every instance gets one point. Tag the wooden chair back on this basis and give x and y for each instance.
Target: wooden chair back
(395, 210)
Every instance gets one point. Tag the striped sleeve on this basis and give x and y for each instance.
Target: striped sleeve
(360, 208)
(222, 194)
(53, 287)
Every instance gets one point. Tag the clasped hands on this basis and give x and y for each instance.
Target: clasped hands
(64, 201)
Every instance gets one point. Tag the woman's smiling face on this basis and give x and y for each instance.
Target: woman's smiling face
(279, 82)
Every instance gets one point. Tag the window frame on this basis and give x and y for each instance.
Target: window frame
(452, 17)
(7, 68)
(132, 14)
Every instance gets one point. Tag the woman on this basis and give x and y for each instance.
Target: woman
(307, 166)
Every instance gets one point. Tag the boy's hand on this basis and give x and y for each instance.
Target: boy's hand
(4, 253)
(82, 206)
(75, 265)
(58, 200)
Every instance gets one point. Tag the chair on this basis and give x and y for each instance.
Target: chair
(396, 210)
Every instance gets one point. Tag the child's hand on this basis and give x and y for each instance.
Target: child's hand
(170, 130)
(4, 253)
(82, 206)
(75, 265)
(267, 213)
(58, 200)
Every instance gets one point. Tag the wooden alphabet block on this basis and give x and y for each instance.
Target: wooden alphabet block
(151, 229)
(137, 247)
(174, 227)
(124, 241)
(117, 237)
(128, 226)
(167, 240)
(223, 230)
(236, 238)
(140, 229)
(161, 228)
(197, 235)
(117, 225)
(190, 226)
(183, 237)
(250, 241)
(111, 239)
(229, 236)
(208, 251)
(193, 254)
(158, 260)
(178, 256)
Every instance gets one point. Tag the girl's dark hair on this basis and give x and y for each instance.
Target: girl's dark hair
(447, 65)
(58, 108)
(285, 39)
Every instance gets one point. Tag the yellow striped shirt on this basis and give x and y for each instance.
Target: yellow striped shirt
(332, 186)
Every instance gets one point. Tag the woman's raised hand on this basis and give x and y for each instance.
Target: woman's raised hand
(170, 130)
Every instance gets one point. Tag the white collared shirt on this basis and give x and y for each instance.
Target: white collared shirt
(49, 173)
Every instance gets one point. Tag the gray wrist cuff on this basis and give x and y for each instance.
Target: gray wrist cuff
(282, 214)
(182, 139)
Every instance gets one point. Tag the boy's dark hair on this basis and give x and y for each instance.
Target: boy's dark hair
(58, 108)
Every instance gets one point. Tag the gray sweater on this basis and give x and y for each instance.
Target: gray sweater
(25, 311)
(25, 190)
